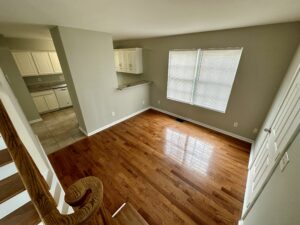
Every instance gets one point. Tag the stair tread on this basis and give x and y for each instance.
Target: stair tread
(10, 187)
(128, 215)
(26, 215)
(5, 157)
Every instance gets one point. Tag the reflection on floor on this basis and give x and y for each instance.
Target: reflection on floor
(58, 129)
(171, 172)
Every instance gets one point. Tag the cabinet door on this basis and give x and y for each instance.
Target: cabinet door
(51, 101)
(131, 59)
(42, 62)
(117, 60)
(40, 104)
(123, 57)
(63, 97)
(25, 63)
(55, 62)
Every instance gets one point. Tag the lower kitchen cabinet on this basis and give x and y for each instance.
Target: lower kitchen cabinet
(51, 100)
(63, 97)
(45, 101)
(40, 104)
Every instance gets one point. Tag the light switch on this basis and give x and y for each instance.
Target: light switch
(284, 161)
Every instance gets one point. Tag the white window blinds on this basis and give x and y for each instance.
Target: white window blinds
(203, 77)
(215, 78)
(181, 75)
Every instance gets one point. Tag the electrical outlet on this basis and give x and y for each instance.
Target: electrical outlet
(235, 124)
(39, 79)
(255, 130)
(284, 161)
(158, 102)
(143, 102)
(113, 113)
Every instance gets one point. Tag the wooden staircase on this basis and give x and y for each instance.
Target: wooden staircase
(10, 187)
(85, 195)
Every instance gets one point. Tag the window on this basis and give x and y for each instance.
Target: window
(202, 77)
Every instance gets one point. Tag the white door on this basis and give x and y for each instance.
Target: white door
(55, 62)
(284, 126)
(51, 101)
(25, 63)
(287, 119)
(42, 62)
(63, 97)
(40, 104)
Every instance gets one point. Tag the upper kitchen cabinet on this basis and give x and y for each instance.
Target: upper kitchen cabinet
(129, 60)
(43, 63)
(25, 63)
(37, 63)
(55, 62)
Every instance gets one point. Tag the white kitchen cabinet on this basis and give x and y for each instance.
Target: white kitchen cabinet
(25, 63)
(43, 63)
(55, 62)
(40, 104)
(51, 101)
(63, 97)
(129, 60)
(45, 101)
(117, 60)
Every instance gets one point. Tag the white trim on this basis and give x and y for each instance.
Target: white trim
(13, 203)
(113, 123)
(205, 125)
(119, 209)
(35, 121)
(83, 131)
(7, 170)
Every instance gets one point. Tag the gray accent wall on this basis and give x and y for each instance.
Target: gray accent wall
(88, 64)
(267, 53)
(9, 67)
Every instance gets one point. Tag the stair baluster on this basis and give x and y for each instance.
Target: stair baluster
(85, 195)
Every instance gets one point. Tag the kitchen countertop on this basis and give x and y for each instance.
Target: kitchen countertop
(44, 87)
(133, 84)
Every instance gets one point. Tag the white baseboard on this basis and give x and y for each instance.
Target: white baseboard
(35, 121)
(113, 123)
(83, 131)
(205, 125)
(171, 114)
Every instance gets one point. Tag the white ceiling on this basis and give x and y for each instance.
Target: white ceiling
(128, 19)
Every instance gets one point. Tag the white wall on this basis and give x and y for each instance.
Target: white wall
(21, 124)
(279, 203)
(88, 65)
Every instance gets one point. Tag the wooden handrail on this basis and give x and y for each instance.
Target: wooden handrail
(86, 195)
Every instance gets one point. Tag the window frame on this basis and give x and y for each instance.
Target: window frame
(197, 74)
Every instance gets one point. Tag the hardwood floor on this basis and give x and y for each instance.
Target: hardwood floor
(171, 172)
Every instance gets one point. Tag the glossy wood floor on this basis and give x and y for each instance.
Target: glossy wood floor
(171, 172)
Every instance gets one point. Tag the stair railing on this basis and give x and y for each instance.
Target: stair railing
(85, 195)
